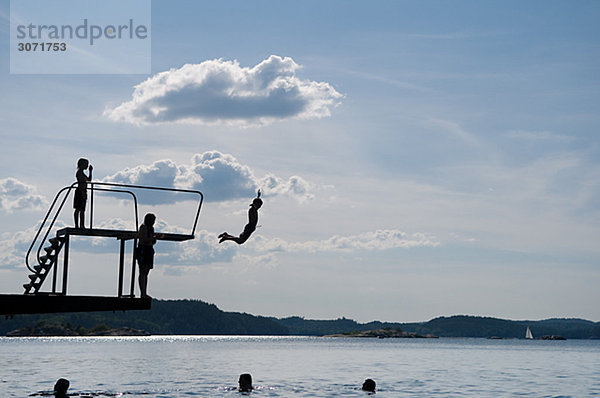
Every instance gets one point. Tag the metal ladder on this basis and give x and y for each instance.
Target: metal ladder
(45, 264)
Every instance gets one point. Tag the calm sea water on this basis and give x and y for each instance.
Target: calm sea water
(188, 366)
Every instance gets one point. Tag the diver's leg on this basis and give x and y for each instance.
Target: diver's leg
(225, 236)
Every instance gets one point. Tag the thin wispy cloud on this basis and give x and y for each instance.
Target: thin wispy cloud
(219, 91)
(438, 36)
(219, 176)
(403, 85)
(539, 136)
(454, 129)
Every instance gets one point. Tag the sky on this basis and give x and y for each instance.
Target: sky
(417, 158)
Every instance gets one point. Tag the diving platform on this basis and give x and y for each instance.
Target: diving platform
(119, 234)
(48, 257)
(14, 304)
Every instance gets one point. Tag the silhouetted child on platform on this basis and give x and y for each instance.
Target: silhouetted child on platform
(250, 227)
(80, 199)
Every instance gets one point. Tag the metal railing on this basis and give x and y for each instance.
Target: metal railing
(98, 186)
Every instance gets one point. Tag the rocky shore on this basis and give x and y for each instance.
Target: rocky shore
(49, 330)
(384, 334)
(551, 337)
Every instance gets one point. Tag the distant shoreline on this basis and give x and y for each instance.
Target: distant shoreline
(195, 317)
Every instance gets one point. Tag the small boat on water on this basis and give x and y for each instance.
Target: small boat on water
(528, 334)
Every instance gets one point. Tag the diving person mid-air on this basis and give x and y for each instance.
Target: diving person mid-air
(250, 227)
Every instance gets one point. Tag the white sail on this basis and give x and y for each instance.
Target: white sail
(528, 334)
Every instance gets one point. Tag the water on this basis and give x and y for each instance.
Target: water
(188, 366)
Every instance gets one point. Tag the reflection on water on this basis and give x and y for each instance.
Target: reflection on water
(184, 366)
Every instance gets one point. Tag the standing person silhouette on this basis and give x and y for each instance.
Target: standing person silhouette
(145, 252)
(250, 227)
(80, 199)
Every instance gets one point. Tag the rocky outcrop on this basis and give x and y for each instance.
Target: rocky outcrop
(42, 330)
(125, 331)
(51, 330)
(383, 334)
(550, 337)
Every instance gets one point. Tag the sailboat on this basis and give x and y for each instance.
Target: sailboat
(528, 334)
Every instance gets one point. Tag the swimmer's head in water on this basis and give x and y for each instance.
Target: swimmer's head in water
(245, 382)
(61, 386)
(369, 385)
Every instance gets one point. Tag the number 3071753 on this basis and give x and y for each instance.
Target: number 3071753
(42, 46)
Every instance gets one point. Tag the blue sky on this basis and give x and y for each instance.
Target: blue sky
(445, 159)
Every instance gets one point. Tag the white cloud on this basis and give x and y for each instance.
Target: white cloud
(13, 247)
(204, 249)
(119, 224)
(160, 173)
(295, 186)
(219, 176)
(16, 195)
(261, 251)
(385, 239)
(218, 91)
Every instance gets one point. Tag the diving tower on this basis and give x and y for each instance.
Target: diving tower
(48, 257)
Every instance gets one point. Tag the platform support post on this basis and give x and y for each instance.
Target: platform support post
(65, 265)
(132, 289)
(91, 205)
(121, 264)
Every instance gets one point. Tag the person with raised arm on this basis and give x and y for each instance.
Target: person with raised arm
(250, 227)
(80, 199)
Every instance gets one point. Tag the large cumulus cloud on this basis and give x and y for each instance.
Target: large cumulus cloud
(219, 176)
(16, 195)
(218, 91)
